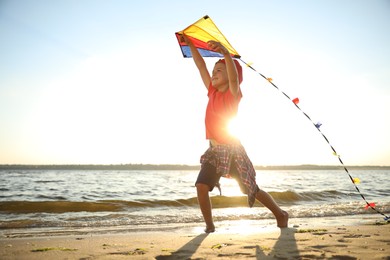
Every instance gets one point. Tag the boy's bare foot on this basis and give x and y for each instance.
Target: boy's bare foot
(283, 220)
(210, 229)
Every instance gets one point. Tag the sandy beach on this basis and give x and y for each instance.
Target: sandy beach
(232, 241)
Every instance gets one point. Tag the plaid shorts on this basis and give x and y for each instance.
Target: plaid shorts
(208, 175)
(229, 160)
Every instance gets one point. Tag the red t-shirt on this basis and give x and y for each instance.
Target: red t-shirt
(221, 108)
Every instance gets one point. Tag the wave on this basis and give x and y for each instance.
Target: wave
(60, 205)
(128, 214)
(56, 206)
(164, 217)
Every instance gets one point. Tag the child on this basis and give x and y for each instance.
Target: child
(225, 156)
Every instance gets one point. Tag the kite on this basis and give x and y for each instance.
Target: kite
(205, 30)
(201, 32)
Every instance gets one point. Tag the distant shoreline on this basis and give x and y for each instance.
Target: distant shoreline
(175, 167)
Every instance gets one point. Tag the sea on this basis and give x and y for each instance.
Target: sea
(54, 200)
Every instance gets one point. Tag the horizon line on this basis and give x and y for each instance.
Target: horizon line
(141, 166)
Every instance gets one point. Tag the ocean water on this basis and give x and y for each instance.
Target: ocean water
(74, 199)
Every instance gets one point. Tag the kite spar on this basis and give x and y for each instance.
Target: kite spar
(203, 31)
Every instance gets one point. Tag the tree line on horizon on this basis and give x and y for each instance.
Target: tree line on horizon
(173, 167)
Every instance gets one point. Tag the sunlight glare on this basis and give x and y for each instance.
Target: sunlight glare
(234, 127)
(245, 226)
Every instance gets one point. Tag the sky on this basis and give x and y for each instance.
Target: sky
(104, 82)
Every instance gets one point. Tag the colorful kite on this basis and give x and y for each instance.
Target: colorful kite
(203, 31)
(200, 33)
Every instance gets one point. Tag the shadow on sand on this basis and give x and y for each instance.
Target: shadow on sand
(284, 248)
(186, 251)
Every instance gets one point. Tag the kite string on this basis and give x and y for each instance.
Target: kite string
(317, 126)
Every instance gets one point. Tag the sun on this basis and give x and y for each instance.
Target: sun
(234, 127)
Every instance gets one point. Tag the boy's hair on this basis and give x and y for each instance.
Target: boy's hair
(238, 67)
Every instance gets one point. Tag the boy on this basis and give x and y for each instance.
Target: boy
(226, 156)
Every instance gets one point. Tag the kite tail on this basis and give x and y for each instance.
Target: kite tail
(317, 126)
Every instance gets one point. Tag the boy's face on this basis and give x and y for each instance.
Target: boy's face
(219, 79)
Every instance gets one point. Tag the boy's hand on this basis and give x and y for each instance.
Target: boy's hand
(181, 38)
(217, 47)
(184, 38)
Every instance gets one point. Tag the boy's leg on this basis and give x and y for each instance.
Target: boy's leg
(280, 215)
(205, 183)
(205, 206)
(264, 198)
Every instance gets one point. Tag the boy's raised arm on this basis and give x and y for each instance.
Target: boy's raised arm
(234, 83)
(199, 62)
